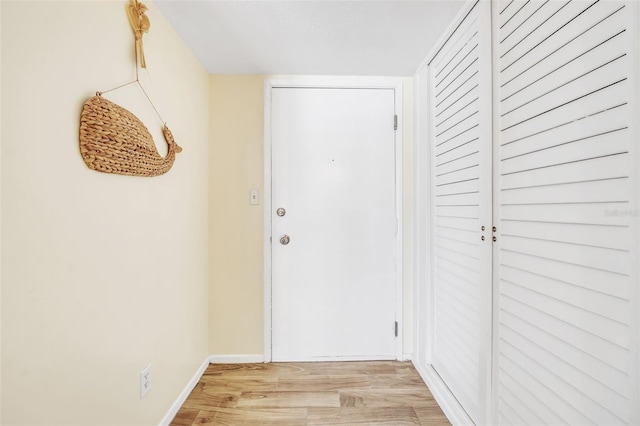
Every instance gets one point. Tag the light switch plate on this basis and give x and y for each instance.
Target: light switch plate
(254, 199)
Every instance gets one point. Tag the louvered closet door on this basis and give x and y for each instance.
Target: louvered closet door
(562, 204)
(460, 128)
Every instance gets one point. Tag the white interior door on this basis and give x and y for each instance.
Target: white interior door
(566, 342)
(460, 120)
(333, 173)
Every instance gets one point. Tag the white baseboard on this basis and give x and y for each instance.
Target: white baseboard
(175, 407)
(449, 404)
(407, 357)
(236, 359)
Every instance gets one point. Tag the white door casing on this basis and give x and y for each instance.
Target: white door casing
(332, 292)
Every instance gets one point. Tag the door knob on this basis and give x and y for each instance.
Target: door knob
(284, 240)
(281, 212)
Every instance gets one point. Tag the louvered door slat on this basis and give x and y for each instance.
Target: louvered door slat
(562, 161)
(609, 121)
(566, 193)
(586, 104)
(554, 171)
(610, 355)
(451, 71)
(599, 370)
(548, 43)
(514, 411)
(567, 81)
(562, 152)
(607, 283)
(568, 63)
(561, 93)
(463, 148)
(571, 214)
(458, 235)
(608, 307)
(603, 399)
(594, 257)
(609, 331)
(582, 48)
(607, 237)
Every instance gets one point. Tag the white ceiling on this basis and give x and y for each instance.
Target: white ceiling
(310, 37)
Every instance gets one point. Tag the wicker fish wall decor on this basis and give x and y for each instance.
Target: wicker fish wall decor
(114, 140)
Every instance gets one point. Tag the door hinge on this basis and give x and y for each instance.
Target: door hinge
(395, 122)
(396, 329)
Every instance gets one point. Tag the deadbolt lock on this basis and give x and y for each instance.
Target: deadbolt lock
(281, 212)
(284, 240)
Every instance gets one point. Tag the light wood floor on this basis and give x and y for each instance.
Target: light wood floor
(324, 393)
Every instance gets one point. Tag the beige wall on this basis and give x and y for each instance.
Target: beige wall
(236, 232)
(101, 274)
(236, 256)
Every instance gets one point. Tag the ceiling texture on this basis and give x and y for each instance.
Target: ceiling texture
(310, 37)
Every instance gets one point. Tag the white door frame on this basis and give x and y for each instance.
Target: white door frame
(333, 83)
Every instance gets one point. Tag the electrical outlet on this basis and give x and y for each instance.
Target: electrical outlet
(145, 381)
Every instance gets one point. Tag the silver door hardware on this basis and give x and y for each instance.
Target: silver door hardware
(284, 240)
(281, 212)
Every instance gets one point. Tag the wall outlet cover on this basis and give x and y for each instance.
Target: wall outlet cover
(145, 381)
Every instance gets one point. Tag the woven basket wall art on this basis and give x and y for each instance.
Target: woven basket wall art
(113, 140)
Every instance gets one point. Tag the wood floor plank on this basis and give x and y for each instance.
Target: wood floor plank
(253, 417)
(385, 398)
(289, 399)
(257, 370)
(323, 383)
(218, 384)
(406, 368)
(185, 417)
(348, 368)
(311, 393)
(432, 416)
(203, 401)
(396, 416)
(397, 381)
